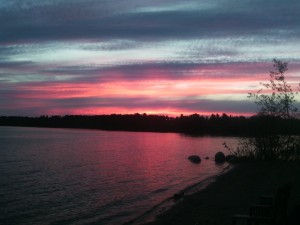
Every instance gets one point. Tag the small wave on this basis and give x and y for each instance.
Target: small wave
(150, 215)
(30, 172)
(91, 218)
(160, 190)
(15, 161)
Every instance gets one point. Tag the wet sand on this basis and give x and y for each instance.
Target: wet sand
(232, 193)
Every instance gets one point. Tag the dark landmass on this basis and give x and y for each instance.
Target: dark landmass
(194, 124)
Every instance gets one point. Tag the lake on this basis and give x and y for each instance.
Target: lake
(80, 177)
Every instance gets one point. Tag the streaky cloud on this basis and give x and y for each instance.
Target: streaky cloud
(63, 20)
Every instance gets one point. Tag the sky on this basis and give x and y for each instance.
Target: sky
(171, 57)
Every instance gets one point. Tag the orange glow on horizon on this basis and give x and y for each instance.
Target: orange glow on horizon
(163, 111)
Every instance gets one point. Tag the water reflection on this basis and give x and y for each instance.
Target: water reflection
(81, 177)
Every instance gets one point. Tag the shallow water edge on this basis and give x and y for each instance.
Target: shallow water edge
(167, 204)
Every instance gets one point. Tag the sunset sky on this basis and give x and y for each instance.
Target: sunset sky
(60, 57)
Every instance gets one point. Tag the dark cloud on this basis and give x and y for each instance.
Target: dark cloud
(13, 65)
(160, 71)
(168, 70)
(131, 104)
(89, 19)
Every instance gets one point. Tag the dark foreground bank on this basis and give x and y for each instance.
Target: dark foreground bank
(232, 193)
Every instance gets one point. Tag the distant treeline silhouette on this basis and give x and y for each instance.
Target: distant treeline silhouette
(196, 124)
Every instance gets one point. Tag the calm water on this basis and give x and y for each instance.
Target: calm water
(64, 176)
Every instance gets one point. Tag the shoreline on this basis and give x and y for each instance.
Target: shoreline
(150, 215)
(231, 193)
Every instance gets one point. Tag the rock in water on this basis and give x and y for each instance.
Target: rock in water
(195, 158)
(220, 157)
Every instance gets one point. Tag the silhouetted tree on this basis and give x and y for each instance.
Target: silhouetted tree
(281, 101)
(276, 106)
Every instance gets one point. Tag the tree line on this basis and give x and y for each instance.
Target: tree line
(195, 124)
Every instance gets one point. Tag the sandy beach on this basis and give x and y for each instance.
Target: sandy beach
(232, 193)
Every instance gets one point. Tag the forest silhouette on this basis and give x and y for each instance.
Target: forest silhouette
(194, 124)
